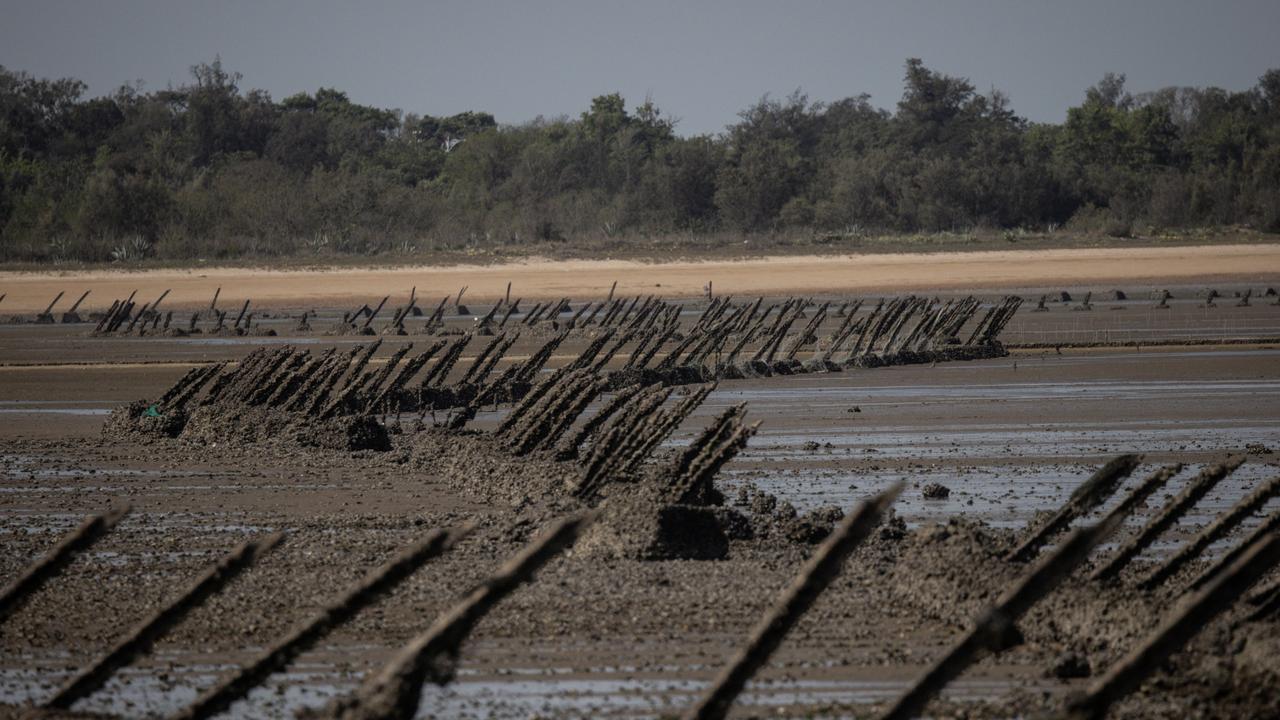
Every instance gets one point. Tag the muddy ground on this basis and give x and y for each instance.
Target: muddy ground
(1009, 437)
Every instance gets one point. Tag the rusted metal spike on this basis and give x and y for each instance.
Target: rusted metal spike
(375, 312)
(770, 348)
(123, 313)
(986, 320)
(595, 311)
(56, 298)
(159, 300)
(609, 308)
(106, 318)
(137, 317)
(1222, 525)
(177, 388)
(545, 429)
(377, 583)
(529, 369)
(532, 316)
(406, 372)
(439, 373)
(560, 424)
(487, 319)
(1091, 493)
(909, 308)
(995, 627)
(711, 436)
(529, 402)
(1194, 614)
(842, 332)
(1144, 490)
(139, 641)
(590, 351)
(317, 377)
(1197, 489)
(639, 360)
(1266, 603)
(858, 348)
(926, 319)
(76, 304)
(395, 691)
(1270, 525)
(243, 309)
(437, 316)
(395, 317)
(189, 392)
(510, 310)
(482, 374)
(603, 359)
(582, 309)
(691, 484)
(616, 442)
(560, 393)
(814, 577)
(39, 572)
(568, 448)
(632, 454)
(621, 317)
(364, 386)
(284, 377)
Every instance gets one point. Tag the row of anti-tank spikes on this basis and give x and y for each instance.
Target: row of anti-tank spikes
(723, 331)
(616, 312)
(395, 690)
(333, 383)
(548, 312)
(124, 316)
(887, 328)
(613, 442)
(650, 315)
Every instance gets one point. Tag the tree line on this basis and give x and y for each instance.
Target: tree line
(208, 170)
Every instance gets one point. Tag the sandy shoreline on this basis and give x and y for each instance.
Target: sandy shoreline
(31, 291)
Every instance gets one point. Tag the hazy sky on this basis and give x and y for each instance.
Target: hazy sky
(700, 61)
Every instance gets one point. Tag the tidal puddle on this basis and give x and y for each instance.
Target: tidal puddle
(832, 394)
(520, 693)
(890, 443)
(266, 340)
(1006, 496)
(86, 412)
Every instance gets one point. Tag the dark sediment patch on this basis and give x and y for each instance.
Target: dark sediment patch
(476, 465)
(637, 525)
(211, 425)
(139, 419)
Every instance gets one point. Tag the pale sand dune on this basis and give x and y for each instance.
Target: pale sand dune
(31, 292)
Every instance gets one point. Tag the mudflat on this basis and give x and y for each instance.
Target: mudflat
(1009, 438)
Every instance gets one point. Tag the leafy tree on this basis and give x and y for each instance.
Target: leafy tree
(209, 169)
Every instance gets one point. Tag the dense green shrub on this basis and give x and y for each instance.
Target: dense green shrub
(207, 170)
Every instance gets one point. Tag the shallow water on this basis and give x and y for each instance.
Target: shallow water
(518, 693)
(1007, 450)
(1002, 497)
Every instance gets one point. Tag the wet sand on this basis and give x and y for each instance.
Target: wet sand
(898, 273)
